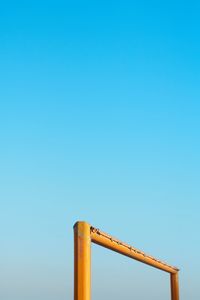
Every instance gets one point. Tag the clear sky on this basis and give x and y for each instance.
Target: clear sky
(99, 121)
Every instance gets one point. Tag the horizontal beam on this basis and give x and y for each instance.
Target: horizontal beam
(111, 243)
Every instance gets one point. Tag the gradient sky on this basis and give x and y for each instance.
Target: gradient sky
(99, 121)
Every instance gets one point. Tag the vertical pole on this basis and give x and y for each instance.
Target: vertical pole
(174, 286)
(82, 261)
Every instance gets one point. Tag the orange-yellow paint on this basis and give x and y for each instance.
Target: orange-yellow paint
(84, 234)
(107, 243)
(174, 286)
(82, 258)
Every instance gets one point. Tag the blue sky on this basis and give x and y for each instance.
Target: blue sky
(99, 121)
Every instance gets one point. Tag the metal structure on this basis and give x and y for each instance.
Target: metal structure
(84, 234)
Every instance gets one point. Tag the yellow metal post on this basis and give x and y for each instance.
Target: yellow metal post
(174, 286)
(82, 261)
(84, 234)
